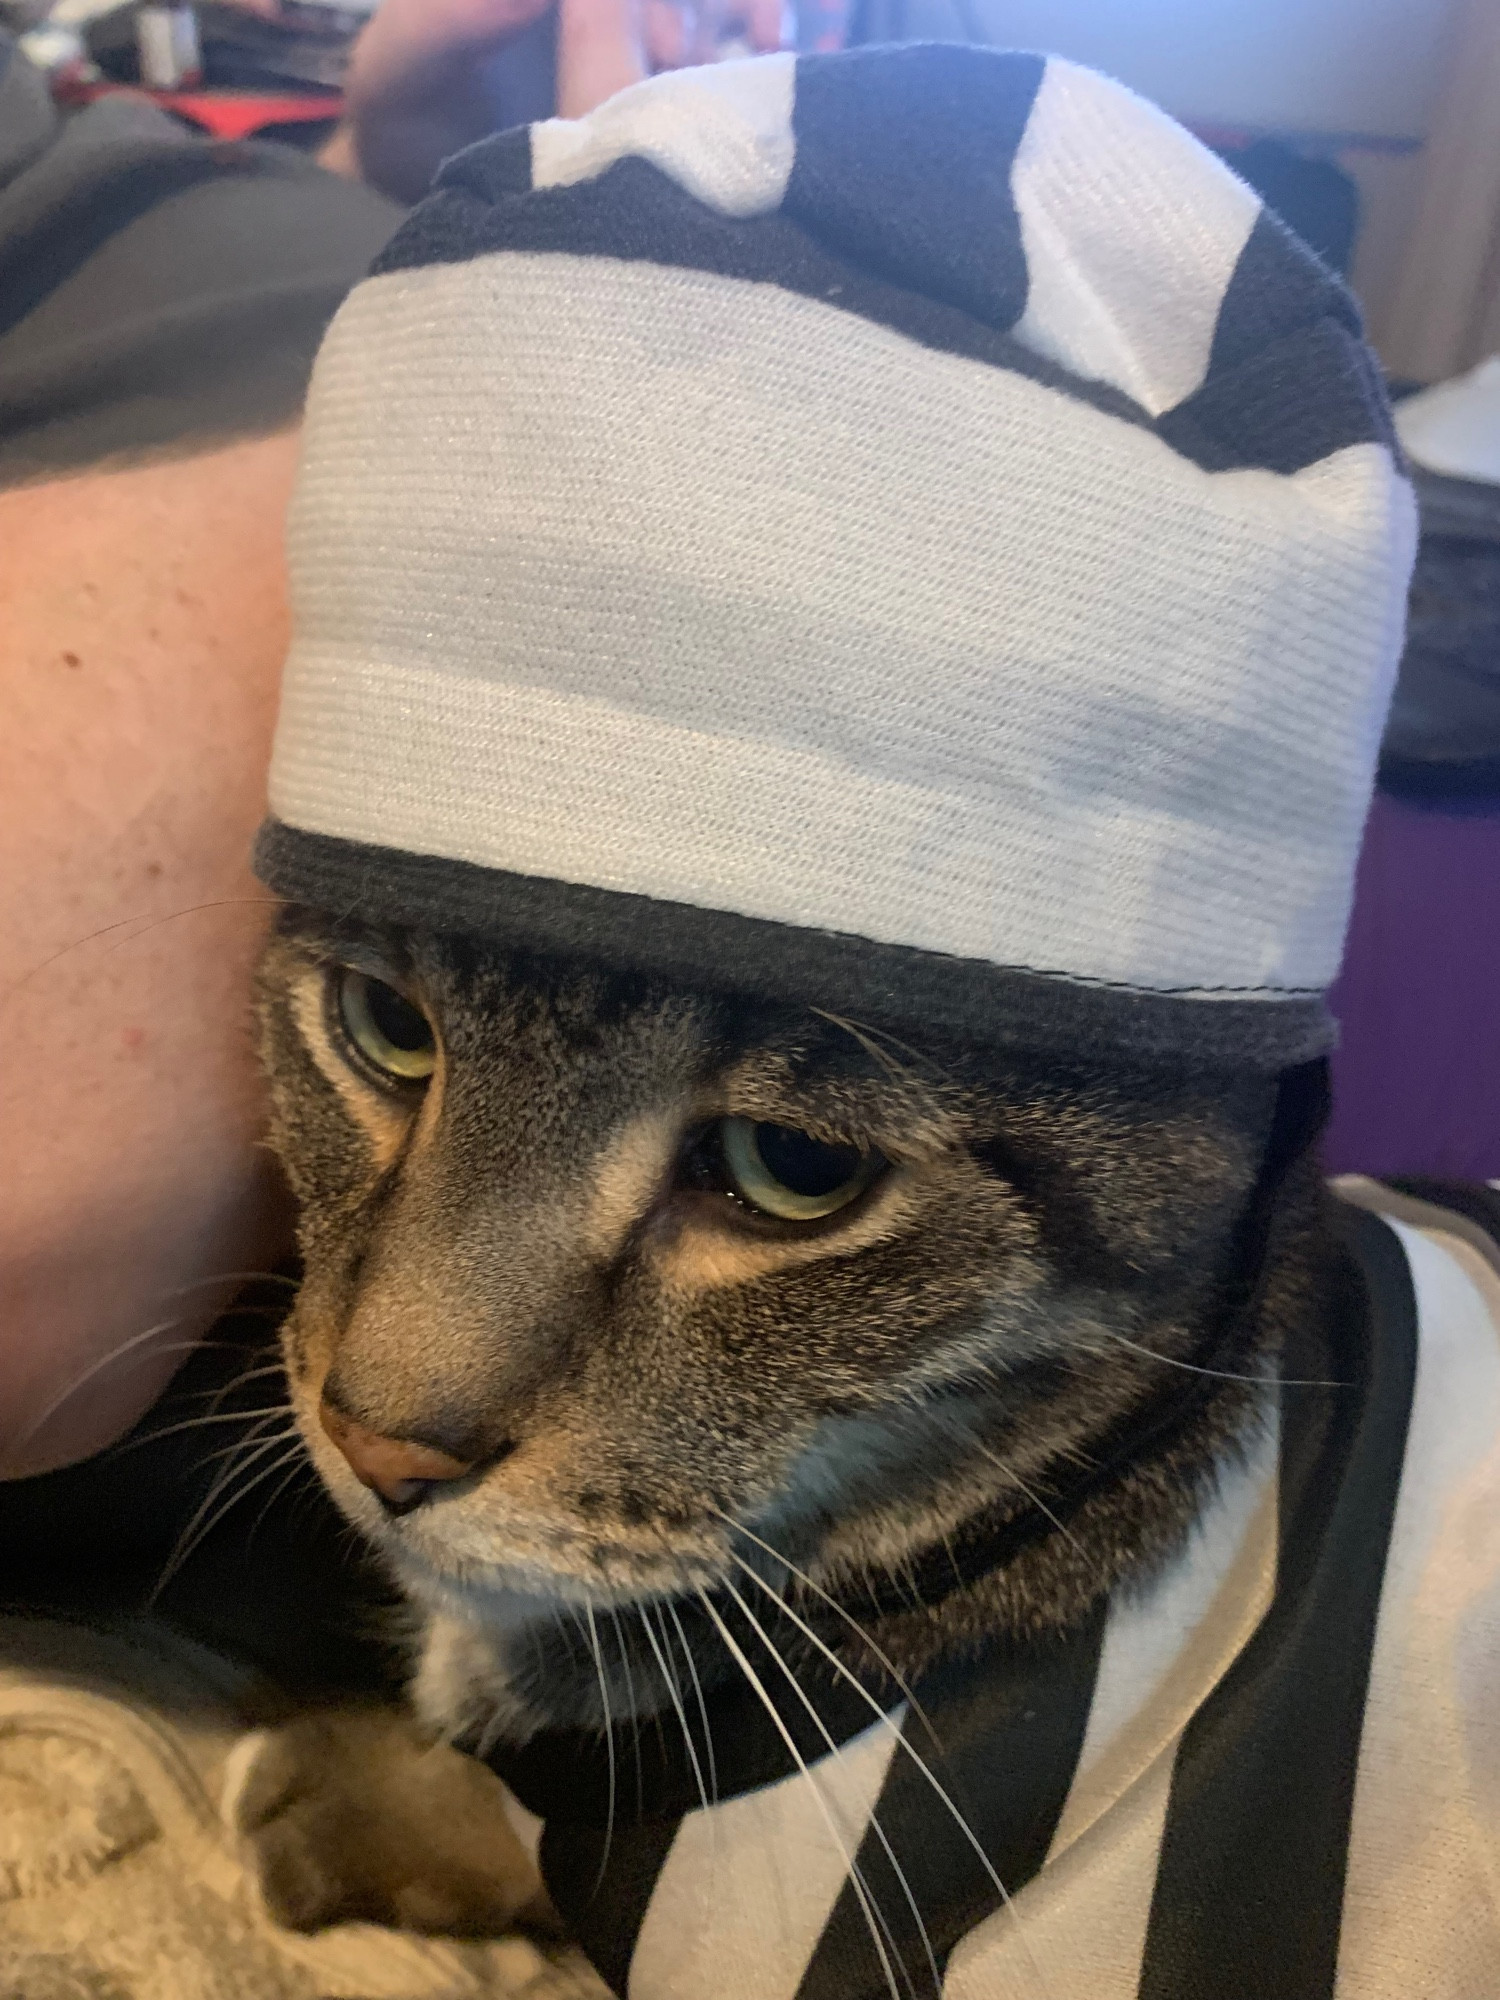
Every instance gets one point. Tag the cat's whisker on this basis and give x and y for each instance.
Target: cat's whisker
(254, 1446)
(234, 1278)
(33, 971)
(1262, 1381)
(869, 1039)
(236, 1309)
(188, 1544)
(264, 1368)
(947, 1541)
(214, 1394)
(657, 1712)
(1009, 1472)
(864, 1040)
(97, 1367)
(304, 1499)
(146, 923)
(876, 1652)
(228, 1470)
(229, 1450)
(609, 1741)
(708, 1748)
(299, 1466)
(489, 1736)
(873, 1921)
(188, 1424)
(256, 1435)
(692, 1666)
(635, 1719)
(875, 1826)
(291, 1456)
(676, 1696)
(233, 1500)
(169, 1347)
(249, 1374)
(903, 1743)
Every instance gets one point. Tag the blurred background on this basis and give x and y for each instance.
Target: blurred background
(1375, 124)
(1402, 96)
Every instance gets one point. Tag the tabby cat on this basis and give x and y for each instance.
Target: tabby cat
(636, 1317)
(903, 535)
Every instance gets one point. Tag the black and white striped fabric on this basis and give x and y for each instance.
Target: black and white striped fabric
(1271, 1774)
(904, 530)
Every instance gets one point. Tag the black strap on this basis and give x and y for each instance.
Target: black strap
(1009, 1730)
(1250, 1882)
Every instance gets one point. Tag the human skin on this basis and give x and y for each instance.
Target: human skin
(144, 620)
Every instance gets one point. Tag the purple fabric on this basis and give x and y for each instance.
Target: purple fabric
(1416, 1077)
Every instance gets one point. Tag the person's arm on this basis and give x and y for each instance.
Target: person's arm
(417, 88)
(144, 621)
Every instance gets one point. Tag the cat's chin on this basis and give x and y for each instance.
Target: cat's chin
(500, 1594)
(492, 1669)
(463, 1689)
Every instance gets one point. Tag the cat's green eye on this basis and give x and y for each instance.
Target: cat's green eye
(790, 1174)
(389, 1032)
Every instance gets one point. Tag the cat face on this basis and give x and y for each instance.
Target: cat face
(652, 1262)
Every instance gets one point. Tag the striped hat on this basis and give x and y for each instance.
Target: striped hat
(902, 531)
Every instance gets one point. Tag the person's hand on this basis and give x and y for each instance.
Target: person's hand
(419, 89)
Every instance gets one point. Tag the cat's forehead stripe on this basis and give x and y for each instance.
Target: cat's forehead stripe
(633, 1168)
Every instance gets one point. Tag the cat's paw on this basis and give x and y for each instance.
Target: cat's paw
(354, 1816)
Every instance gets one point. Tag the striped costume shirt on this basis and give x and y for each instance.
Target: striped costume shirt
(1272, 1772)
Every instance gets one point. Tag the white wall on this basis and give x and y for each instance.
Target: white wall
(1307, 65)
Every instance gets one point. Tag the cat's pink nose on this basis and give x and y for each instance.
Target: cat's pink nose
(395, 1468)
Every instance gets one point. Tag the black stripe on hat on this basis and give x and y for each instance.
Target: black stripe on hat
(899, 208)
(1289, 379)
(926, 204)
(1008, 1732)
(1250, 1881)
(635, 212)
(887, 985)
(1279, 287)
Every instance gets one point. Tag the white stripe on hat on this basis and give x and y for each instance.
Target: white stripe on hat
(713, 594)
(723, 133)
(1132, 231)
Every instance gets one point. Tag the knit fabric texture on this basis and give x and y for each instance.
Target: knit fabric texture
(915, 503)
